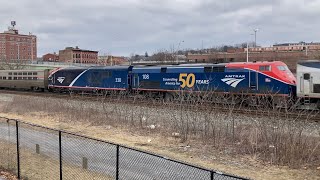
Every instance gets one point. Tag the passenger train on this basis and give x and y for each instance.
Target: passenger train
(252, 79)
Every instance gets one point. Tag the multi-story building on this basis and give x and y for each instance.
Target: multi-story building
(51, 57)
(15, 47)
(76, 55)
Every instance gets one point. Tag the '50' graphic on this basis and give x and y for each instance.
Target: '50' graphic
(187, 80)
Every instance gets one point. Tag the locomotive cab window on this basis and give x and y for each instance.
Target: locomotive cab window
(265, 68)
(306, 76)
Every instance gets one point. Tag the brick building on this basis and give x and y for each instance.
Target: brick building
(77, 55)
(15, 47)
(111, 60)
(50, 57)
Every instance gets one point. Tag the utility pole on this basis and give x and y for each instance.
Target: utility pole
(255, 37)
(247, 51)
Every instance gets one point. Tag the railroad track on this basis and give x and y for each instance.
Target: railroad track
(294, 114)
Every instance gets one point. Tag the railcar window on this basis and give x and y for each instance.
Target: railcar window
(10, 73)
(24, 77)
(29, 78)
(15, 73)
(0, 77)
(19, 78)
(306, 76)
(34, 78)
(163, 70)
(35, 73)
(20, 73)
(9, 78)
(15, 78)
(29, 73)
(4, 78)
(207, 69)
(24, 73)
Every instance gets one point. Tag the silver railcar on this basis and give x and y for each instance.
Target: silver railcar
(308, 82)
(24, 79)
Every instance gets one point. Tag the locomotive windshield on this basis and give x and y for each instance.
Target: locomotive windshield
(283, 68)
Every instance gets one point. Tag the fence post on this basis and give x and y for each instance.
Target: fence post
(212, 175)
(60, 155)
(117, 170)
(18, 151)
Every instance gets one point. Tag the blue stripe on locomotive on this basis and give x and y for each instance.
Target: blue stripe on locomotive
(231, 80)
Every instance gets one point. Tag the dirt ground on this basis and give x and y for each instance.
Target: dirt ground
(191, 152)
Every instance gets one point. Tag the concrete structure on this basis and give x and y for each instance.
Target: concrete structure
(50, 57)
(76, 55)
(15, 47)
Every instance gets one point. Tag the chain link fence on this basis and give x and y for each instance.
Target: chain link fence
(35, 152)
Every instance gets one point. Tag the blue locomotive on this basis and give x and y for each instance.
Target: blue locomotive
(253, 78)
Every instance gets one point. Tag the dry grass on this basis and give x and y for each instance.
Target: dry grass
(129, 125)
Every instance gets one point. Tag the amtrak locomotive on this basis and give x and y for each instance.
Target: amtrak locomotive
(253, 78)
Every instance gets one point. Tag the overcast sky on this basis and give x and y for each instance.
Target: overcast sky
(122, 27)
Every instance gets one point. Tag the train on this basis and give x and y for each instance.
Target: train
(250, 79)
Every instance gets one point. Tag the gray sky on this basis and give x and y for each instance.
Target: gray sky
(122, 27)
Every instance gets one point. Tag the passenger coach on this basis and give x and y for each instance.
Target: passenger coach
(36, 80)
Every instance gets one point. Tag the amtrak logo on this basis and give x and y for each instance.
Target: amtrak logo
(233, 80)
(60, 79)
